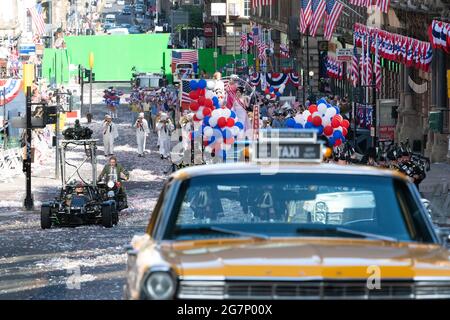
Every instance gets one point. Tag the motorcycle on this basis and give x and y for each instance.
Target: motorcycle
(111, 187)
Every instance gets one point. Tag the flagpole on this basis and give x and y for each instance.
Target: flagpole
(350, 8)
(374, 98)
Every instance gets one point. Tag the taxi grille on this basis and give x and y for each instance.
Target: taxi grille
(304, 290)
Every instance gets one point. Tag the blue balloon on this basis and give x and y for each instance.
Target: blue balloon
(271, 89)
(290, 123)
(211, 140)
(239, 125)
(332, 141)
(202, 84)
(193, 85)
(206, 121)
(298, 126)
(322, 100)
(224, 155)
(233, 114)
(278, 94)
(337, 134)
(320, 129)
(343, 139)
(309, 125)
(215, 100)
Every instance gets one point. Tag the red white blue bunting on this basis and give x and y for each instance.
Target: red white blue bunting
(255, 79)
(276, 79)
(294, 78)
(395, 47)
(12, 88)
(439, 34)
(334, 68)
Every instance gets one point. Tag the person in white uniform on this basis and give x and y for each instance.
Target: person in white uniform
(142, 130)
(110, 133)
(164, 127)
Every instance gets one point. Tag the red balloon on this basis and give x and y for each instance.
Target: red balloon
(206, 112)
(208, 103)
(328, 130)
(344, 131)
(193, 95)
(267, 90)
(345, 123)
(230, 122)
(335, 123)
(317, 121)
(202, 92)
(312, 108)
(194, 106)
(338, 142)
(195, 118)
(339, 117)
(309, 118)
(201, 101)
(205, 143)
(222, 122)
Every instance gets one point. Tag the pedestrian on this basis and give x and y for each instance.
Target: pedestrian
(110, 133)
(164, 127)
(142, 131)
(153, 113)
(265, 123)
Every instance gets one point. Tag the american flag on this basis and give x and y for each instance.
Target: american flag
(256, 31)
(189, 56)
(259, 3)
(355, 73)
(37, 16)
(383, 5)
(378, 79)
(250, 40)
(284, 50)
(369, 65)
(318, 9)
(244, 42)
(186, 89)
(262, 51)
(305, 15)
(334, 10)
(362, 62)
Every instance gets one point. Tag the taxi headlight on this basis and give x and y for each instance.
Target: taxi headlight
(160, 285)
(110, 184)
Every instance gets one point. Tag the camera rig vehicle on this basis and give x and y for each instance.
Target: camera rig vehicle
(97, 203)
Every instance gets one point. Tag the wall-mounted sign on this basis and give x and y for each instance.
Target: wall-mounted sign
(344, 54)
(218, 9)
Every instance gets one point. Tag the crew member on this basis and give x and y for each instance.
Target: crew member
(118, 173)
(164, 127)
(142, 131)
(110, 133)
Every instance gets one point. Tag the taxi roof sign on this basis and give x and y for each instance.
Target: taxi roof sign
(288, 145)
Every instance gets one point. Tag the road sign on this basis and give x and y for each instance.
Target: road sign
(344, 54)
(27, 49)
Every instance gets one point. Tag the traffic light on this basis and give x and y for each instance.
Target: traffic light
(93, 76)
(435, 121)
(87, 73)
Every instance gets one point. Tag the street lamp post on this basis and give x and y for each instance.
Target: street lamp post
(310, 77)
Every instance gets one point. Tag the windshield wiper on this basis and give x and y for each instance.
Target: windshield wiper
(221, 230)
(348, 232)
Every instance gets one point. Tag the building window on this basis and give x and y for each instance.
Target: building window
(246, 8)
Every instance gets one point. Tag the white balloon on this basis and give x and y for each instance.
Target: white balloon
(302, 120)
(209, 94)
(227, 146)
(306, 114)
(215, 113)
(330, 113)
(234, 131)
(326, 121)
(316, 114)
(213, 121)
(226, 113)
(281, 90)
(210, 84)
(200, 114)
(322, 108)
(298, 118)
(268, 96)
(208, 132)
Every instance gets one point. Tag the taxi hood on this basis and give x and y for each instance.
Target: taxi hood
(312, 257)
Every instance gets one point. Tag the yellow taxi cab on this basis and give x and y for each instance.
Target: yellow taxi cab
(275, 229)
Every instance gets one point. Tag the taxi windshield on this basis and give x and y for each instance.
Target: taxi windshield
(294, 205)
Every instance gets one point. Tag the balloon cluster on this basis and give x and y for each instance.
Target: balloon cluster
(112, 97)
(272, 92)
(325, 118)
(220, 126)
(203, 99)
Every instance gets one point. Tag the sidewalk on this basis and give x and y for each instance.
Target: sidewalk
(436, 188)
